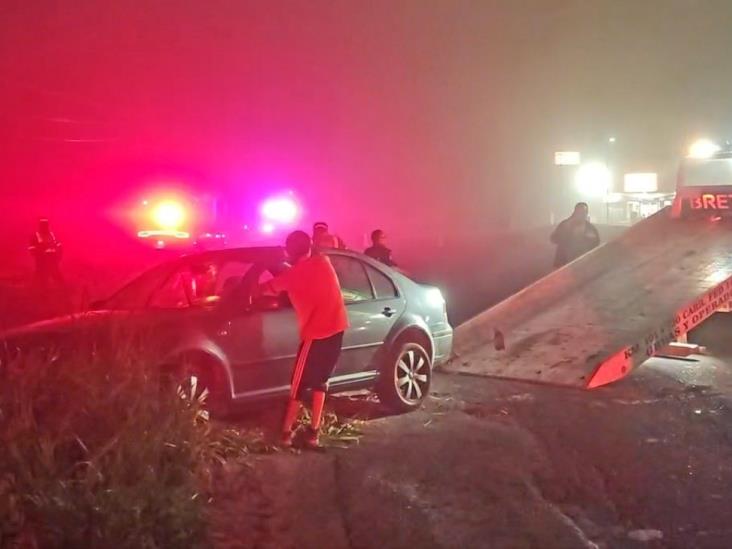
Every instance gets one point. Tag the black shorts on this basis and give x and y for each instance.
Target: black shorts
(316, 360)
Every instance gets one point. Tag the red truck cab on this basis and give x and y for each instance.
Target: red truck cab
(704, 187)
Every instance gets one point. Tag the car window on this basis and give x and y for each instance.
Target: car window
(175, 293)
(707, 173)
(200, 284)
(355, 285)
(383, 286)
(233, 274)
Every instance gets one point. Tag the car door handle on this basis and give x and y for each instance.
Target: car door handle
(388, 312)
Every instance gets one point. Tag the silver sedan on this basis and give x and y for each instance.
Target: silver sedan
(242, 347)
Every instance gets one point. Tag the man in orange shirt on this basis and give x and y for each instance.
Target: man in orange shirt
(315, 293)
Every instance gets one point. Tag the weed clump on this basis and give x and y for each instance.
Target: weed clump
(96, 452)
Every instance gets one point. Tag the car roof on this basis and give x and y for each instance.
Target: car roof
(270, 254)
(253, 254)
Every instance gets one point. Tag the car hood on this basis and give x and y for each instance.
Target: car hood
(64, 323)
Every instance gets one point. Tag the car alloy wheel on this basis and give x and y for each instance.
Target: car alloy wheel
(405, 380)
(199, 383)
(194, 390)
(411, 376)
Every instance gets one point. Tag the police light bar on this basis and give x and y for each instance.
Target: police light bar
(158, 234)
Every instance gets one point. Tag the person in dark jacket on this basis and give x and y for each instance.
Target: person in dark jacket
(378, 249)
(46, 252)
(574, 236)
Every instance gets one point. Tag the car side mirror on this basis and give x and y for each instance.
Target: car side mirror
(265, 303)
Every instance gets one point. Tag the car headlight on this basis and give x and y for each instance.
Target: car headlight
(434, 297)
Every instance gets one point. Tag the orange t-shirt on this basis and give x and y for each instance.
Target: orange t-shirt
(315, 293)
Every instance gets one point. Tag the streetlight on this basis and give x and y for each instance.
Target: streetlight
(593, 179)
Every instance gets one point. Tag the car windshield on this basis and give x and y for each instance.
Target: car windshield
(135, 294)
(707, 173)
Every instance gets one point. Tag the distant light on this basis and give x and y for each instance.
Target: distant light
(169, 215)
(612, 140)
(640, 182)
(566, 158)
(703, 148)
(593, 179)
(160, 244)
(145, 202)
(268, 228)
(280, 210)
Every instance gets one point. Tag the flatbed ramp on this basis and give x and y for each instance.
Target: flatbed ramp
(594, 320)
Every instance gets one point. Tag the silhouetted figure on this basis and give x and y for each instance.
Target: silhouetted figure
(378, 249)
(322, 238)
(574, 236)
(46, 252)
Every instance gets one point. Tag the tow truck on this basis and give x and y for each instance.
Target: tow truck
(598, 318)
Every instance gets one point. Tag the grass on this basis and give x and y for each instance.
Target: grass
(96, 454)
(334, 431)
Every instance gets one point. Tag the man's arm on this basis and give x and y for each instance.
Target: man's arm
(276, 285)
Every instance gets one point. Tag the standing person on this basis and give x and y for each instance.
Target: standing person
(46, 252)
(574, 236)
(315, 293)
(322, 238)
(378, 249)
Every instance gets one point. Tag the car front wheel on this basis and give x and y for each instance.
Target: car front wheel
(405, 379)
(199, 383)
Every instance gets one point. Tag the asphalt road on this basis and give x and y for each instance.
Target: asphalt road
(490, 463)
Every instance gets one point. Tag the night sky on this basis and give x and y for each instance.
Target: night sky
(413, 115)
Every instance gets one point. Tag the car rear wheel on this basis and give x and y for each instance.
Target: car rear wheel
(404, 382)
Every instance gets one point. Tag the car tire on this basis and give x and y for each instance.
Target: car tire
(405, 378)
(198, 379)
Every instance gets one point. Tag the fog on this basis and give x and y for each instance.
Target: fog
(422, 117)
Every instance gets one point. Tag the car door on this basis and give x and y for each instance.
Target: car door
(373, 304)
(261, 345)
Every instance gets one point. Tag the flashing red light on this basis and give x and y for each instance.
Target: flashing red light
(280, 210)
(169, 215)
